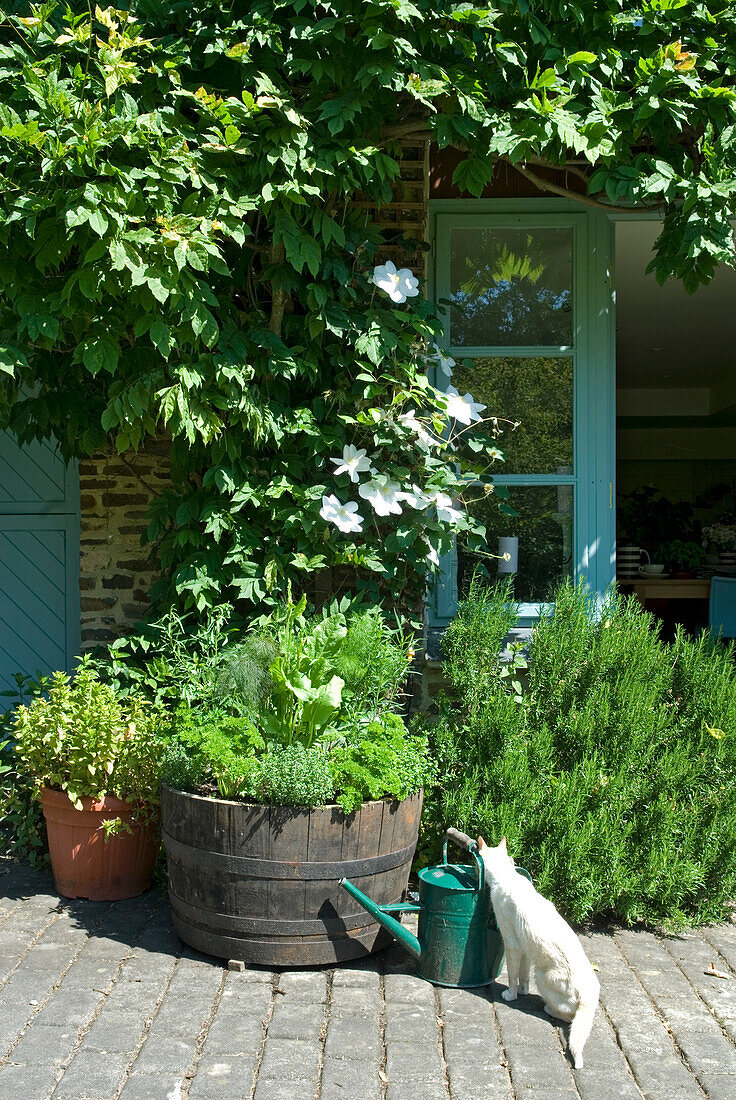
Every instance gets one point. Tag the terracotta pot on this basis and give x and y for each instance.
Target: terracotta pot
(85, 864)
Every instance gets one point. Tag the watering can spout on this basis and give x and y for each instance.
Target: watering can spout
(383, 916)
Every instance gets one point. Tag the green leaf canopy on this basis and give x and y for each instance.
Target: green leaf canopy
(181, 249)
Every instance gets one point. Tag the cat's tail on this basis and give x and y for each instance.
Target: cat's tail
(583, 1021)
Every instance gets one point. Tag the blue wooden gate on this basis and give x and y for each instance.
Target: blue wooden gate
(39, 560)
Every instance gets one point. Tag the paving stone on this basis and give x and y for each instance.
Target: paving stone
(350, 1080)
(290, 1059)
(691, 1016)
(303, 985)
(165, 1055)
(251, 1000)
(348, 1002)
(407, 988)
(532, 1068)
(115, 1032)
(107, 947)
(355, 978)
(267, 1089)
(707, 1052)
(25, 986)
(92, 1076)
(719, 1086)
(168, 1087)
(351, 1038)
(73, 1008)
(722, 938)
(223, 1079)
(295, 1021)
(27, 1082)
(234, 1036)
(50, 958)
(532, 1093)
(466, 1003)
(44, 1045)
(421, 1090)
(463, 1044)
(8, 963)
(602, 1082)
(526, 1023)
(659, 1072)
(89, 974)
(252, 976)
(466, 1084)
(410, 1023)
(648, 1042)
(10, 1028)
(474, 1074)
(406, 1062)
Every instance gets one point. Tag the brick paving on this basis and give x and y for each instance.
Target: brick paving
(102, 1001)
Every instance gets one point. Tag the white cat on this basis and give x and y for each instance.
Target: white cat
(535, 935)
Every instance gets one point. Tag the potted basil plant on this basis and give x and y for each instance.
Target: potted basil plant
(95, 759)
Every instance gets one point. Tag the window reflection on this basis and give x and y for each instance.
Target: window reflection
(535, 393)
(511, 287)
(543, 528)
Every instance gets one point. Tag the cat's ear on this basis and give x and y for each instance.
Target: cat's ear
(502, 845)
(481, 843)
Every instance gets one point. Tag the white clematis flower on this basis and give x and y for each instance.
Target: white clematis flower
(417, 499)
(352, 463)
(424, 439)
(345, 516)
(433, 556)
(399, 285)
(464, 409)
(445, 363)
(446, 510)
(384, 496)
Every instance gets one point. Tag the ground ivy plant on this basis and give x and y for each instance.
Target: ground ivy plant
(181, 249)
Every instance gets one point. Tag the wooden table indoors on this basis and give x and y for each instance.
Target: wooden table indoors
(667, 588)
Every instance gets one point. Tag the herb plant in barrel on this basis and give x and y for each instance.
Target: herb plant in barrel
(303, 772)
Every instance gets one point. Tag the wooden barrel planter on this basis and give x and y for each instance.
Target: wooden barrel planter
(260, 883)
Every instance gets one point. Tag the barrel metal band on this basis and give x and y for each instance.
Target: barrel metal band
(279, 869)
(233, 926)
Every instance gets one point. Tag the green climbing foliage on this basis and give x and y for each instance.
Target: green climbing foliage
(181, 249)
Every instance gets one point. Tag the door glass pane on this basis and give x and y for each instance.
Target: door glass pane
(543, 528)
(534, 393)
(510, 287)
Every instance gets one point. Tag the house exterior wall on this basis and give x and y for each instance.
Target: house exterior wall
(115, 570)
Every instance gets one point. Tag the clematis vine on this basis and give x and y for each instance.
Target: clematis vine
(402, 455)
(398, 284)
(353, 462)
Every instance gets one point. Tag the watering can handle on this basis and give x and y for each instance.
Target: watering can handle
(464, 841)
(461, 839)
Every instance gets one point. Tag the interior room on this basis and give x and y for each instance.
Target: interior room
(676, 431)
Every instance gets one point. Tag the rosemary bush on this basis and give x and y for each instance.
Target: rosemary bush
(613, 777)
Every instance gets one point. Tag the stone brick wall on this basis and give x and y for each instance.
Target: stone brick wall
(115, 573)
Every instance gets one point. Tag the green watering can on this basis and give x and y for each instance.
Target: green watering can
(459, 943)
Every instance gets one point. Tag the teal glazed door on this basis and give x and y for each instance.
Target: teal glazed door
(39, 560)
